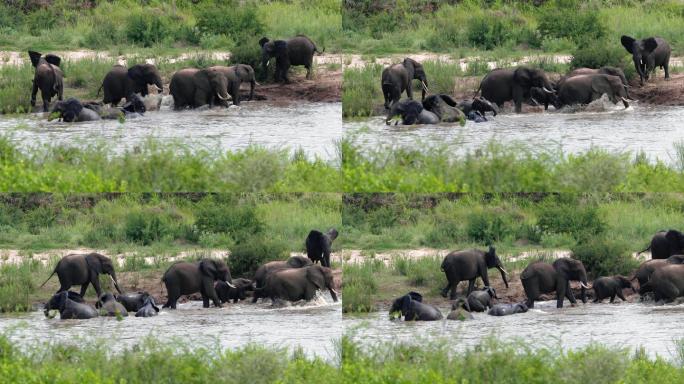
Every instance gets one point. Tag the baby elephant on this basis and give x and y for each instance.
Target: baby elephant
(108, 306)
(411, 308)
(611, 286)
(459, 311)
(148, 309)
(479, 301)
(507, 309)
(133, 301)
(70, 306)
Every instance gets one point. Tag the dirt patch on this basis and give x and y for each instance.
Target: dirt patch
(325, 86)
(660, 91)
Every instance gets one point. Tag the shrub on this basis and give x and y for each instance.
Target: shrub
(248, 51)
(599, 54)
(487, 227)
(360, 284)
(580, 26)
(580, 222)
(486, 32)
(238, 22)
(422, 272)
(248, 255)
(240, 220)
(446, 231)
(604, 257)
(17, 283)
(141, 227)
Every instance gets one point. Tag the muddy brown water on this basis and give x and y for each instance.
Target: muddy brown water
(647, 128)
(621, 325)
(313, 127)
(315, 327)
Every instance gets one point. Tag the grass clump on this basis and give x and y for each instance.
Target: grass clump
(605, 257)
(360, 285)
(17, 284)
(247, 255)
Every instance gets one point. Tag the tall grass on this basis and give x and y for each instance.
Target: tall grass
(17, 284)
(360, 286)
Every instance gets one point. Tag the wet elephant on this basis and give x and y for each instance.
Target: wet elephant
(148, 309)
(606, 70)
(265, 270)
(445, 107)
(133, 107)
(479, 301)
(72, 110)
(459, 311)
(412, 308)
(467, 266)
(397, 78)
(540, 277)
(83, 270)
(584, 89)
(121, 82)
(478, 104)
(245, 74)
(227, 294)
(501, 85)
(294, 284)
(507, 309)
(644, 272)
(665, 244)
(132, 301)
(539, 97)
(48, 78)
(319, 246)
(192, 87)
(411, 112)
(610, 286)
(667, 282)
(184, 278)
(70, 306)
(648, 54)
(108, 306)
(233, 81)
(298, 50)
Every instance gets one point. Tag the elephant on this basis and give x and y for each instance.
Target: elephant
(233, 81)
(148, 309)
(72, 110)
(133, 301)
(298, 50)
(412, 308)
(133, 107)
(318, 246)
(540, 277)
(479, 301)
(507, 309)
(477, 104)
(76, 269)
(185, 278)
(192, 87)
(294, 284)
(665, 244)
(265, 270)
(606, 70)
(667, 282)
(501, 85)
(469, 265)
(245, 73)
(644, 272)
(539, 97)
(397, 78)
(648, 54)
(411, 112)
(611, 286)
(226, 293)
(48, 77)
(109, 306)
(459, 311)
(584, 89)
(121, 82)
(445, 107)
(70, 306)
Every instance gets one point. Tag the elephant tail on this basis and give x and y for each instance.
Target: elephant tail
(49, 277)
(316, 50)
(99, 89)
(645, 249)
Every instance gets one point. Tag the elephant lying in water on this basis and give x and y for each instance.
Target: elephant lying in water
(445, 107)
(412, 308)
(132, 301)
(148, 309)
(479, 301)
(70, 306)
(507, 309)
(411, 112)
(73, 110)
(459, 311)
(109, 306)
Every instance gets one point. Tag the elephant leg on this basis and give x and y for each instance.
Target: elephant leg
(560, 294)
(209, 293)
(452, 290)
(471, 287)
(620, 295)
(235, 92)
(445, 291)
(96, 284)
(326, 259)
(34, 92)
(84, 287)
(666, 67)
(409, 90)
(596, 299)
(174, 295)
(46, 101)
(517, 99)
(251, 89)
(569, 294)
(308, 71)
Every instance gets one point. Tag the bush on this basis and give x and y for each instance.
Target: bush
(580, 26)
(487, 32)
(422, 272)
(604, 257)
(599, 54)
(249, 254)
(359, 286)
(240, 221)
(237, 22)
(488, 227)
(17, 283)
(581, 222)
(248, 51)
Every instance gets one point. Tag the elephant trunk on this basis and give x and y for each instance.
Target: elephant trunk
(638, 66)
(503, 275)
(333, 294)
(158, 84)
(624, 102)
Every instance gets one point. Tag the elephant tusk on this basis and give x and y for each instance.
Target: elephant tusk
(231, 285)
(584, 285)
(547, 91)
(256, 83)
(159, 89)
(425, 88)
(222, 98)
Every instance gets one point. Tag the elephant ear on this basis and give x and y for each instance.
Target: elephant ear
(675, 237)
(315, 275)
(522, 77)
(208, 268)
(416, 296)
(263, 41)
(449, 100)
(136, 73)
(53, 59)
(600, 84)
(35, 57)
(332, 234)
(280, 48)
(94, 261)
(650, 45)
(406, 303)
(628, 43)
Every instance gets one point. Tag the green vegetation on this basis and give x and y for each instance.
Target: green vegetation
(499, 167)
(155, 166)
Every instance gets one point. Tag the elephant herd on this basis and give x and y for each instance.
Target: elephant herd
(581, 86)
(661, 278)
(189, 87)
(297, 278)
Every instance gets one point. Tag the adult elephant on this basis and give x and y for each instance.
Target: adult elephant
(48, 77)
(319, 246)
(192, 87)
(397, 78)
(298, 50)
(584, 89)
(411, 112)
(294, 284)
(233, 81)
(469, 265)
(445, 107)
(272, 266)
(227, 294)
(184, 278)
(540, 277)
(70, 306)
(83, 270)
(606, 70)
(72, 110)
(501, 85)
(121, 82)
(610, 286)
(412, 308)
(644, 272)
(648, 54)
(667, 282)
(665, 244)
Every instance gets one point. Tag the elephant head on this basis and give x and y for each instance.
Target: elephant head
(612, 86)
(570, 269)
(269, 49)
(402, 305)
(299, 261)
(68, 110)
(526, 78)
(491, 292)
(415, 71)
(640, 50)
(144, 74)
(100, 264)
(212, 82)
(408, 109)
(58, 301)
(675, 240)
(493, 261)
(134, 104)
(332, 234)
(625, 282)
(37, 57)
(216, 270)
(321, 278)
(483, 105)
